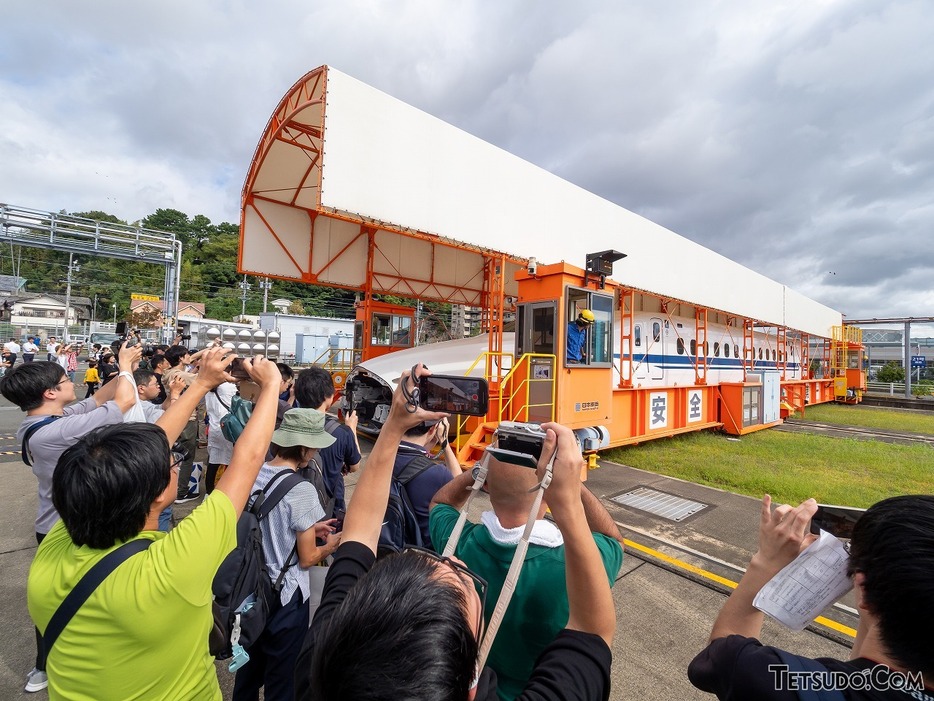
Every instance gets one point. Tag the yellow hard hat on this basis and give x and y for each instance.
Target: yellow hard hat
(586, 316)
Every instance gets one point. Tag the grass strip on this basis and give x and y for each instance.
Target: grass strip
(789, 466)
(872, 417)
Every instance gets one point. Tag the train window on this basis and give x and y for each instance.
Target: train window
(656, 332)
(693, 347)
(716, 349)
(760, 354)
(680, 346)
(726, 350)
(597, 346)
(773, 354)
(735, 350)
(706, 349)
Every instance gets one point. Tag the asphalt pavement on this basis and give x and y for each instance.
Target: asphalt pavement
(667, 595)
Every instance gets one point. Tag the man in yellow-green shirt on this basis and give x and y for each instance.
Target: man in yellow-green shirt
(143, 633)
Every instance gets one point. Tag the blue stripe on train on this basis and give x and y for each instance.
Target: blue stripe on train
(683, 362)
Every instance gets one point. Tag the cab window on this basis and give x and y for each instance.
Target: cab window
(598, 343)
(381, 329)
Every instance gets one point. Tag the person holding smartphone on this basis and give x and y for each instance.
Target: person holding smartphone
(891, 561)
(412, 622)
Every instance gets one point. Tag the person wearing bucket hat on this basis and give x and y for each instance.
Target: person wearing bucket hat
(290, 533)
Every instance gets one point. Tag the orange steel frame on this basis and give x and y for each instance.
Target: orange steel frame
(310, 91)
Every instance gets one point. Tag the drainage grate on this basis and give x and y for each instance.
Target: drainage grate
(660, 504)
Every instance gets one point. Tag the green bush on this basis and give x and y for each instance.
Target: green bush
(891, 372)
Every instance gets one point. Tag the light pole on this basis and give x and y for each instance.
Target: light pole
(115, 313)
(265, 284)
(72, 267)
(245, 286)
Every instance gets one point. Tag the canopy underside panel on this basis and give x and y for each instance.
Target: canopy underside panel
(279, 240)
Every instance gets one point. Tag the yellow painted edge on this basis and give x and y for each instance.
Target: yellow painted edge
(839, 627)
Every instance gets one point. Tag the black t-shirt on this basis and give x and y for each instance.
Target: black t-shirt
(107, 371)
(574, 667)
(737, 668)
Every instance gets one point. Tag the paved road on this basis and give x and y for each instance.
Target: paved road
(663, 617)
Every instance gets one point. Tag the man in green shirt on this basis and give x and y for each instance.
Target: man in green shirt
(539, 607)
(143, 633)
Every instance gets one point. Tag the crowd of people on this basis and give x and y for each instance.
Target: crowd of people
(420, 623)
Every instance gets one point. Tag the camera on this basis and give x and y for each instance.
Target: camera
(518, 444)
(237, 371)
(520, 438)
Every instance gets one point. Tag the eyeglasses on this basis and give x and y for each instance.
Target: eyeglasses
(63, 381)
(177, 459)
(461, 570)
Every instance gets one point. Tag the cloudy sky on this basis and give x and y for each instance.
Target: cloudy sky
(794, 137)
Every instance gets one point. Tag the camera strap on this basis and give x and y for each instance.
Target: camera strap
(411, 397)
(518, 558)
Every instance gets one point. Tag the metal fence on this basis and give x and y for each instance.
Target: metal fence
(893, 389)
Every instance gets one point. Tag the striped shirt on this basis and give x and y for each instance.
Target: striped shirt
(298, 511)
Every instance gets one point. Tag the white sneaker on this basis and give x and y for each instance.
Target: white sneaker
(36, 680)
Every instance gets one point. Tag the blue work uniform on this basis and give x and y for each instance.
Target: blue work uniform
(575, 343)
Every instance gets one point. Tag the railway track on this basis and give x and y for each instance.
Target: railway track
(860, 433)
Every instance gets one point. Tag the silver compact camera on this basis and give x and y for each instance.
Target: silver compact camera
(520, 438)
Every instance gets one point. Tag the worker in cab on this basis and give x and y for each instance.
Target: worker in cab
(577, 336)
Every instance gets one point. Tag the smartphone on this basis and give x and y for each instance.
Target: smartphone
(237, 371)
(455, 394)
(512, 457)
(339, 515)
(836, 520)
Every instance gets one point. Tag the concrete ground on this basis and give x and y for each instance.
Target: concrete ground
(664, 616)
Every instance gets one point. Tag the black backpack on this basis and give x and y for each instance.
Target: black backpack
(313, 473)
(243, 593)
(400, 525)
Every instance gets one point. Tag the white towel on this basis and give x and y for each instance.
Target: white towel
(544, 533)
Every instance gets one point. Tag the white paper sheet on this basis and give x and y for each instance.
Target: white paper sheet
(808, 585)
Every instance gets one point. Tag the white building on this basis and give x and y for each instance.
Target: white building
(44, 314)
(307, 339)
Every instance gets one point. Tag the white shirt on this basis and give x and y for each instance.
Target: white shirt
(30, 347)
(12, 347)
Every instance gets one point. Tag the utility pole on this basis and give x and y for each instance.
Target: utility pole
(266, 285)
(245, 286)
(72, 267)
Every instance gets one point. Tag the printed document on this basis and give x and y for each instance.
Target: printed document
(808, 585)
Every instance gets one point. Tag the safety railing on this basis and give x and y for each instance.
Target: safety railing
(511, 393)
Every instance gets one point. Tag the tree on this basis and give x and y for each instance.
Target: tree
(296, 307)
(146, 318)
(891, 372)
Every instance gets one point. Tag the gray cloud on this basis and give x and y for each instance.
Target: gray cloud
(795, 138)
